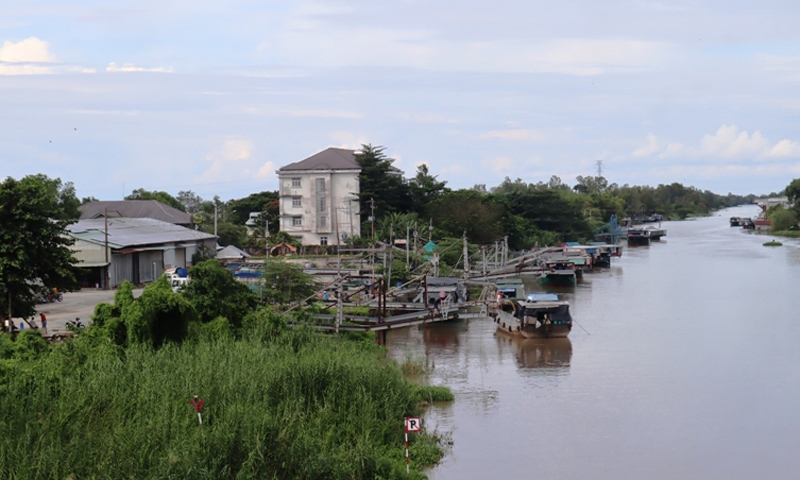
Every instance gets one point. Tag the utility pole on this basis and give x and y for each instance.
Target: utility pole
(215, 219)
(372, 217)
(466, 257)
(108, 264)
(266, 237)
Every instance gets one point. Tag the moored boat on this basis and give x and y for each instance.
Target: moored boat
(638, 236)
(540, 315)
(558, 271)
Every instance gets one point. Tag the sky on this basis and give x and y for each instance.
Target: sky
(215, 96)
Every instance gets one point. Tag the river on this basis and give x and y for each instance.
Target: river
(683, 363)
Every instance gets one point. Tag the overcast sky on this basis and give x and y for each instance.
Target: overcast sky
(215, 96)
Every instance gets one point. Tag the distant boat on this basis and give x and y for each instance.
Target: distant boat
(736, 222)
(656, 233)
(540, 315)
(638, 236)
(558, 271)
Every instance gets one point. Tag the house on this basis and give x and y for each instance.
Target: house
(319, 198)
(139, 249)
(136, 209)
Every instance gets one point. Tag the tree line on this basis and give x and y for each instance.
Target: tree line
(527, 213)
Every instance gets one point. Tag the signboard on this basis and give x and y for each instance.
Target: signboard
(413, 424)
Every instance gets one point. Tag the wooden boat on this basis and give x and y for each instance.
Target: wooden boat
(540, 315)
(638, 236)
(558, 271)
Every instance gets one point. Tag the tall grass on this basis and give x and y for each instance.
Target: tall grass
(293, 405)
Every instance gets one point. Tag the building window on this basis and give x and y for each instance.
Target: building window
(323, 240)
(323, 204)
(297, 221)
(323, 221)
(296, 182)
(297, 202)
(321, 185)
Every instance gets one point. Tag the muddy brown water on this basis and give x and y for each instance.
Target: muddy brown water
(688, 368)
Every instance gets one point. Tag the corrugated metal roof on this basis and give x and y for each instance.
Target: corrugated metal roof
(133, 232)
(135, 209)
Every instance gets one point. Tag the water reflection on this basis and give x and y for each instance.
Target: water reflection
(538, 352)
(445, 334)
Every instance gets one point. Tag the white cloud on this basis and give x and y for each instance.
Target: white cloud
(649, 149)
(129, 67)
(498, 164)
(727, 143)
(785, 148)
(516, 134)
(31, 56)
(234, 161)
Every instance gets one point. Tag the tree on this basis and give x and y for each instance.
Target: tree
(792, 190)
(215, 293)
(425, 188)
(163, 197)
(460, 211)
(34, 247)
(191, 201)
(257, 202)
(381, 185)
(284, 283)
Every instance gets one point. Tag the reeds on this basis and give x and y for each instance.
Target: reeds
(290, 405)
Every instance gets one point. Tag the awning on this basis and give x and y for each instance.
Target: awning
(91, 264)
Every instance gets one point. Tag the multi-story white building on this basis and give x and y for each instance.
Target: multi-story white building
(319, 197)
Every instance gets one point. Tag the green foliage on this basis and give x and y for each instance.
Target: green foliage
(283, 283)
(165, 315)
(290, 405)
(215, 293)
(379, 185)
(782, 218)
(460, 211)
(792, 191)
(163, 197)
(433, 393)
(257, 202)
(29, 344)
(215, 330)
(34, 249)
(228, 233)
(425, 188)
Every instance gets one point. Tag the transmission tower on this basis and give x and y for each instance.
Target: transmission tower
(599, 164)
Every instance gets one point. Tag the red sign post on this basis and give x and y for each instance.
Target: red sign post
(413, 425)
(197, 403)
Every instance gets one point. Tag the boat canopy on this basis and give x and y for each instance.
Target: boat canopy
(542, 297)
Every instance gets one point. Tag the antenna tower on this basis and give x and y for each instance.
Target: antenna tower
(599, 168)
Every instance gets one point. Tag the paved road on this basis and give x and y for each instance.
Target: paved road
(75, 305)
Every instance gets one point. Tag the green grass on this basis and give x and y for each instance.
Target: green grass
(293, 405)
(773, 243)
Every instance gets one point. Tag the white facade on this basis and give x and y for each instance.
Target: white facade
(315, 205)
(319, 198)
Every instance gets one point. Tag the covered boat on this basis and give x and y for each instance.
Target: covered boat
(540, 315)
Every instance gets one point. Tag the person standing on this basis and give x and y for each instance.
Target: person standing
(43, 318)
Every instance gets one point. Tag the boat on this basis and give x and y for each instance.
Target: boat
(736, 222)
(638, 236)
(656, 232)
(558, 271)
(540, 315)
